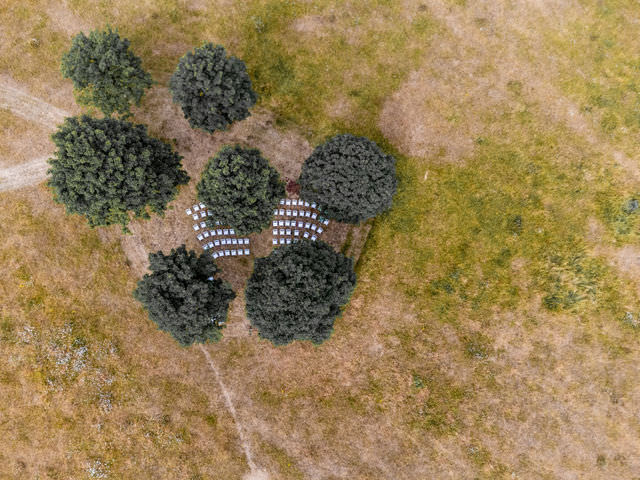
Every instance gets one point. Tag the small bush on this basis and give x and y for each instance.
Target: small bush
(105, 73)
(350, 177)
(182, 296)
(214, 90)
(104, 168)
(241, 189)
(297, 292)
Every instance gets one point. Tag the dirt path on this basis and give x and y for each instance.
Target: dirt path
(30, 108)
(255, 473)
(23, 175)
(35, 110)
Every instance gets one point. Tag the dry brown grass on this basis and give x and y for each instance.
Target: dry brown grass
(21, 140)
(86, 377)
(414, 383)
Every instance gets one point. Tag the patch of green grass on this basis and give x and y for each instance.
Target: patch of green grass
(285, 463)
(521, 199)
(601, 66)
(438, 411)
(301, 71)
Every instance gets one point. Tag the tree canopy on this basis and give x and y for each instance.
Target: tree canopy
(213, 89)
(297, 292)
(104, 168)
(183, 297)
(241, 189)
(105, 73)
(350, 177)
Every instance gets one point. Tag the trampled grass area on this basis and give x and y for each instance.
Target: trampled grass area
(87, 382)
(490, 336)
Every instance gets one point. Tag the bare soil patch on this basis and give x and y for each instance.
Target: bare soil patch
(29, 107)
(21, 140)
(476, 70)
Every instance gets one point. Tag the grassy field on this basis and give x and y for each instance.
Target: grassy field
(494, 330)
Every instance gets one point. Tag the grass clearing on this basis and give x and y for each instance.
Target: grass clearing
(489, 337)
(84, 377)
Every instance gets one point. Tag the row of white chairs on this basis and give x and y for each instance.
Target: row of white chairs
(294, 224)
(195, 208)
(301, 203)
(202, 214)
(282, 212)
(226, 241)
(216, 232)
(289, 240)
(198, 226)
(230, 253)
(287, 232)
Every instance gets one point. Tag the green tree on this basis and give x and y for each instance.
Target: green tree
(241, 189)
(350, 177)
(104, 168)
(183, 297)
(297, 292)
(105, 73)
(213, 90)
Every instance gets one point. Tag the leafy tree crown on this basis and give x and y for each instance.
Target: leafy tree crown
(350, 177)
(213, 89)
(297, 292)
(105, 167)
(105, 73)
(241, 189)
(182, 298)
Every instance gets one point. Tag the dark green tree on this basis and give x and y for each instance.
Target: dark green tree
(350, 177)
(105, 73)
(241, 189)
(214, 90)
(104, 168)
(297, 292)
(183, 297)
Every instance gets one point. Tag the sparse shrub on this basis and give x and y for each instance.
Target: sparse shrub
(183, 297)
(104, 168)
(350, 177)
(105, 73)
(241, 189)
(297, 292)
(213, 89)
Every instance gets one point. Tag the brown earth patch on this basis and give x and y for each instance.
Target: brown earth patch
(489, 61)
(22, 140)
(65, 20)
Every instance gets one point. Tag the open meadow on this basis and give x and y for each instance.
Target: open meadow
(494, 332)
